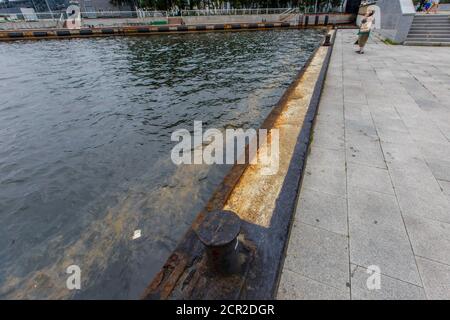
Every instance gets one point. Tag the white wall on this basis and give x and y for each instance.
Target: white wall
(396, 18)
(42, 24)
(340, 18)
(117, 22)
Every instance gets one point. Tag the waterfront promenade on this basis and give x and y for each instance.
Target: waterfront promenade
(376, 189)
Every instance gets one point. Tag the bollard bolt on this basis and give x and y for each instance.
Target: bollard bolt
(219, 233)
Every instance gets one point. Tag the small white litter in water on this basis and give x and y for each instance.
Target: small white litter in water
(137, 234)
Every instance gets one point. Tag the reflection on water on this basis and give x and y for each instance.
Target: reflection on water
(85, 146)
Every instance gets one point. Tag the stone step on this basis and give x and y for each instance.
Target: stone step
(443, 19)
(416, 25)
(433, 35)
(429, 40)
(426, 43)
(431, 20)
(429, 35)
(432, 17)
(430, 29)
(421, 15)
(443, 32)
(430, 25)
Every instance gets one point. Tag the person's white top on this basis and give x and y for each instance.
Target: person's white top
(368, 25)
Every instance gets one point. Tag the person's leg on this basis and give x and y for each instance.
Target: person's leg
(362, 42)
(358, 43)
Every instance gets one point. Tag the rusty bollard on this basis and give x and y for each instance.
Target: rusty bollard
(219, 233)
(327, 41)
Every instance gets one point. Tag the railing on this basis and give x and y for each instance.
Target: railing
(224, 12)
(324, 8)
(290, 14)
(55, 16)
(123, 14)
(6, 17)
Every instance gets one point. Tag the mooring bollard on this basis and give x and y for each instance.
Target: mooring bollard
(219, 233)
(327, 41)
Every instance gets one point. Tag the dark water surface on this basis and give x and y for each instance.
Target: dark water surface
(85, 147)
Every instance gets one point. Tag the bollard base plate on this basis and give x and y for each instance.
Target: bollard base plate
(190, 278)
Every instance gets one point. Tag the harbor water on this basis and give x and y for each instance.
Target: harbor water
(86, 176)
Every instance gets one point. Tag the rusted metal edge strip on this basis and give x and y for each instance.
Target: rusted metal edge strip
(189, 248)
(222, 193)
(40, 34)
(299, 158)
(271, 241)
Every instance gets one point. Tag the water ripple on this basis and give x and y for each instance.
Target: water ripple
(85, 129)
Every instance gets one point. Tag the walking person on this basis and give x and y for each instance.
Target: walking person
(434, 6)
(367, 24)
(421, 6)
(428, 6)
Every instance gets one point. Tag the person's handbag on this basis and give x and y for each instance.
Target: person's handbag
(366, 26)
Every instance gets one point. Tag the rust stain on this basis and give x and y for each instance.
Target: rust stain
(255, 194)
(107, 233)
(167, 278)
(246, 191)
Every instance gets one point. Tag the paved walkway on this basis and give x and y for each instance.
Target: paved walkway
(377, 185)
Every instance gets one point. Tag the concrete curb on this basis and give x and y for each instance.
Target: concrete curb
(39, 34)
(184, 276)
(301, 150)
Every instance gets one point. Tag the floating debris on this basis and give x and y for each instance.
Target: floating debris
(137, 234)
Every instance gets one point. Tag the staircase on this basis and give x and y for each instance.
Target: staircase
(429, 30)
(289, 15)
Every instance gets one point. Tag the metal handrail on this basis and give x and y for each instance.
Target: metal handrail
(140, 14)
(124, 14)
(216, 12)
(56, 16)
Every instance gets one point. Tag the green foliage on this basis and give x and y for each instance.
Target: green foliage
(237, 4)
(389, 42)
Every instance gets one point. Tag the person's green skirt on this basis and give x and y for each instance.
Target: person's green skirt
(362, 38)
